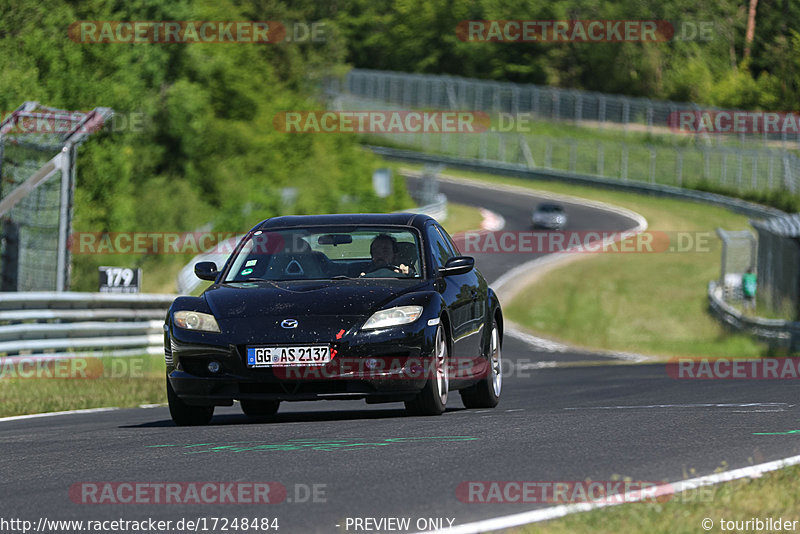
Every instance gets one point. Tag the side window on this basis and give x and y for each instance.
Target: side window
(453, 248)
(440, 248)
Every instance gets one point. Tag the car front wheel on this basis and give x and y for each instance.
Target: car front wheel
(433, 397)
(257, 408)
(184, 414)
(486, 393)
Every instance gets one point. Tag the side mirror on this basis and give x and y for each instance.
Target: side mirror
(457, 265)
(206, 270)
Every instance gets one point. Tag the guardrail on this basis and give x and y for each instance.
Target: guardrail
(62, 324)
(776, 332)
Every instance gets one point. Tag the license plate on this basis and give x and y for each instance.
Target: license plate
(282, 356)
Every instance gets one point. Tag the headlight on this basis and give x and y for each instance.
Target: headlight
(393, 317)
(192, 320)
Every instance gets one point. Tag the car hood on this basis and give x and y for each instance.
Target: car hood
(322, 308)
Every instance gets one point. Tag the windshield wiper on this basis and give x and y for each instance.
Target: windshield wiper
(342, 277)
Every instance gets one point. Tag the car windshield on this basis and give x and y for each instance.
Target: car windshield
(549, 208)
(327, 253)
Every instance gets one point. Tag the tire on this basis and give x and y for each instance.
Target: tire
(259, 408)
(184, 414)
(432, 400)
(486, 393)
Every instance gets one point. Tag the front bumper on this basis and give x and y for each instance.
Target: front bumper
(387, 366)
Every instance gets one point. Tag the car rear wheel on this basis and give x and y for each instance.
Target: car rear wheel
(486, 393)
(184, 414)
(257, 408)
(433, 397)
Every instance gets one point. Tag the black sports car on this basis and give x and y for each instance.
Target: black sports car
(379, 307)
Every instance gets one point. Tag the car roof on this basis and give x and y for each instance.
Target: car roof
(549, 206)
(416, 220)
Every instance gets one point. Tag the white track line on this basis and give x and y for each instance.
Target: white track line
(53, 414)
(554, 512)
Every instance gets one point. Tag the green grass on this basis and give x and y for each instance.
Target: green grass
(91, 383)
(648, 303)
(773, 495)
(461, 218)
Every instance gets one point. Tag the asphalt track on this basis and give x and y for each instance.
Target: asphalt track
(562, 424)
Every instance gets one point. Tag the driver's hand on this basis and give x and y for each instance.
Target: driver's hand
(403, 268)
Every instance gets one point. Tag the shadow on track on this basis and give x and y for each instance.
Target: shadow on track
(297, 417)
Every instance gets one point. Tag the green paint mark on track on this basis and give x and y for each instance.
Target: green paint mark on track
(308, 444)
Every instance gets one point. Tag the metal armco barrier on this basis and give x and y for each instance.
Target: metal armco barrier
(61, 324)
(776, 332)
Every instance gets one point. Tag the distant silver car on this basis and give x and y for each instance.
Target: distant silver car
(550, 216)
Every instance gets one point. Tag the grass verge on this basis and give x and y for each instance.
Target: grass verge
(85, 383)
(461, 218)
(771, 496)
(651, 303)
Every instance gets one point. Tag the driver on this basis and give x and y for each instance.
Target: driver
(383, 251)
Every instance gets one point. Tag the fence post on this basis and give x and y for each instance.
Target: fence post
(602, 111)
(739, 169)
(573, 155)
(556, 104)
(62, 264)
(548, 154)
(724, 171)
(624, 164)
(652, 165)
(770, 172)
(600, 156)
(626, 114)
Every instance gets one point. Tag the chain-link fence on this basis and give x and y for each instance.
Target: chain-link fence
(619, 112)
(738, 169)
(779, 265)
(30, 229)
(738, 256)
(38, 146)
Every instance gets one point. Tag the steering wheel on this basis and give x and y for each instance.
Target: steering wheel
(392, 269)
